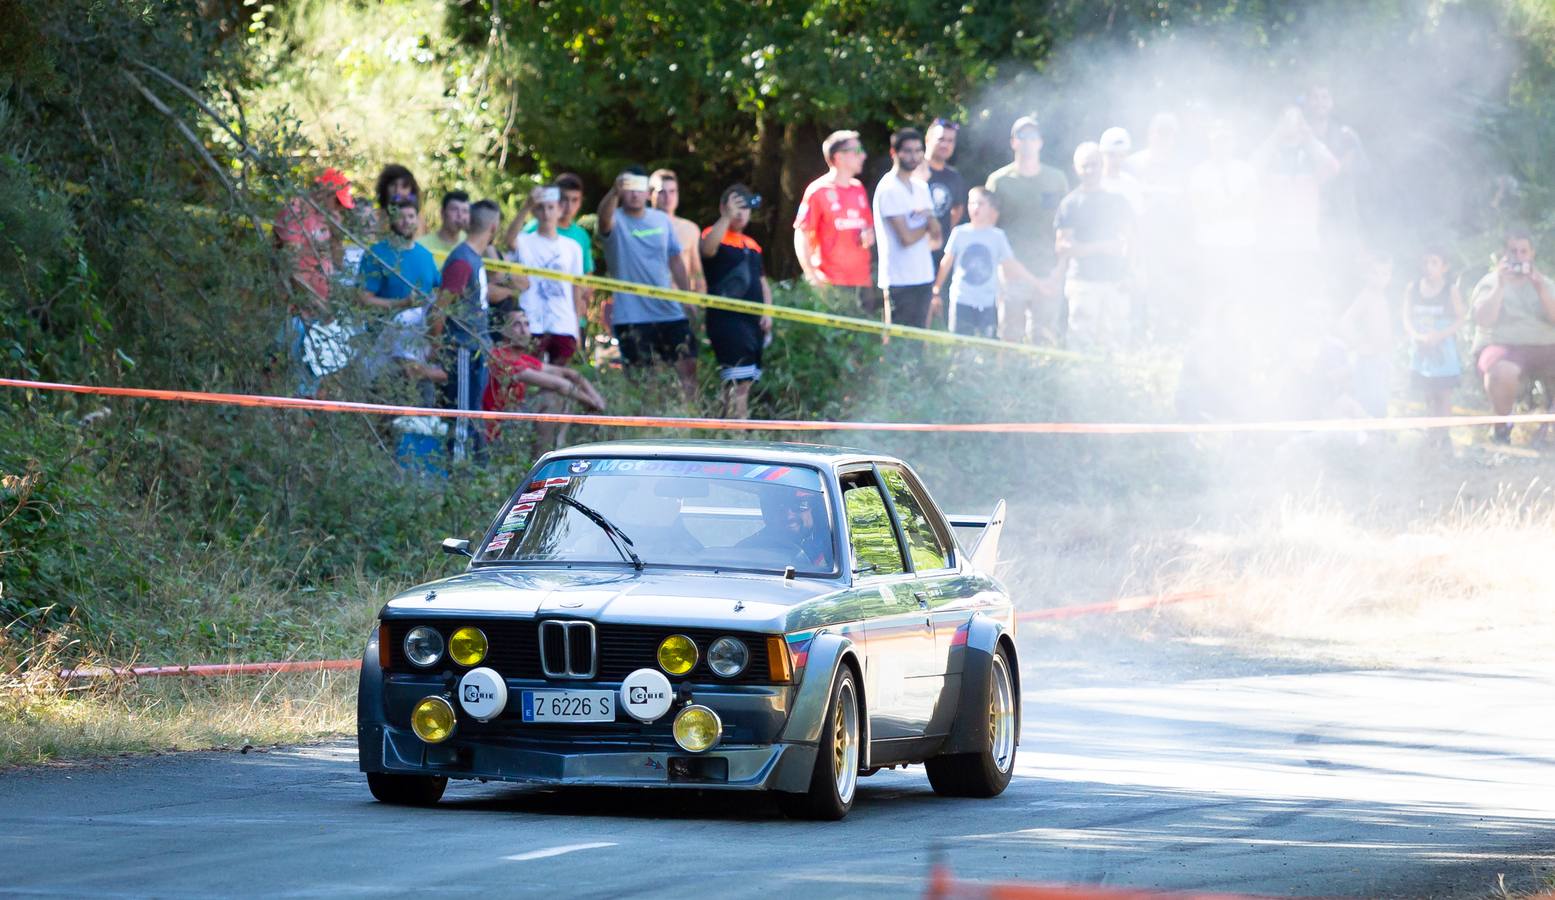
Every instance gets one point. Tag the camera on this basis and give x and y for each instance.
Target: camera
(1518, 268)
(752, 201)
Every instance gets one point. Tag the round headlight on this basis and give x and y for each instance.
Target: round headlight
(433, 720)
(677, 654)
(728, 656)
(423, 646)
(697, 728)
(467, 646)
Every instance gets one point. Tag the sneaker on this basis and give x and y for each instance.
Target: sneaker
(1501, 434)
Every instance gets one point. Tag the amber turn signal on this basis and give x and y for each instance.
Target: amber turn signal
(779, 667)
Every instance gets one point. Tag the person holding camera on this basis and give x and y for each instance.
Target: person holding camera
(733, 264)
(1514, 315)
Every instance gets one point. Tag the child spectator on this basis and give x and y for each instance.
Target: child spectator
(1367, 327)
(412, 336)
(513, 369)
(1433, 314)
(974, 255)
(553, 307)
(732, 262)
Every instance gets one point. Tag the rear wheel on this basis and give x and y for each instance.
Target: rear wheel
(406, 790)
(985, 773)
(835, 779)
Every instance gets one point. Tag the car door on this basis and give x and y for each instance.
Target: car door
(904, 677)
(937, 586)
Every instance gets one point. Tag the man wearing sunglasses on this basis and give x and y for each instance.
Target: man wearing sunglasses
(834, 229)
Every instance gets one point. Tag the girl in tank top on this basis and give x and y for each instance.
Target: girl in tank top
(1433, 315)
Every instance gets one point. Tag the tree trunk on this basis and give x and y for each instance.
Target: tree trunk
(788, 157)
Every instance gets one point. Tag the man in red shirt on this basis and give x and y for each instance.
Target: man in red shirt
(512, 369)
(834, 229)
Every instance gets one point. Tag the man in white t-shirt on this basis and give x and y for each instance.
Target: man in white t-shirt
(554, 307)
(907, 233)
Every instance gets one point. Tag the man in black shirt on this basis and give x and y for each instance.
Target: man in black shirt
(732, 262)
(946, 186)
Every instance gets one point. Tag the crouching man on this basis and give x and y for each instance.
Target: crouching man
(513, 369)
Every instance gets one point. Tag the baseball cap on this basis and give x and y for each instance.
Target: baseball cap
(1115, 140)
(1025, 122)
(332, 177)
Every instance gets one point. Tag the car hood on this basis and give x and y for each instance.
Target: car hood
(700, 599)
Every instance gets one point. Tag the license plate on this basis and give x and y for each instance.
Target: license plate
(568, 706)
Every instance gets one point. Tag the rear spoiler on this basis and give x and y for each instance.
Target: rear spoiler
(985, 551)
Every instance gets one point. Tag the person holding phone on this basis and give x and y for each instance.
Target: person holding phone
(733, 263)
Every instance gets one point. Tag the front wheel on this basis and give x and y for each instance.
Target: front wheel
(406, 790)
(835, 779)
(985, 773)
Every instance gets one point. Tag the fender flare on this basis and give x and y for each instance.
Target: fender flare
(827, 653)
(985, 635)
(369, 709)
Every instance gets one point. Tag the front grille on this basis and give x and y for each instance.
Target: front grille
(567, 649)
(616, 651)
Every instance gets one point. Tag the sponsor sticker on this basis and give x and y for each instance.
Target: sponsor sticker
(532, 496)
(499, 541)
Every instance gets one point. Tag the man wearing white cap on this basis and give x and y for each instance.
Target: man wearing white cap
(1115, 146)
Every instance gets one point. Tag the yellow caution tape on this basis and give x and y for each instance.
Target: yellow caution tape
(789, 313)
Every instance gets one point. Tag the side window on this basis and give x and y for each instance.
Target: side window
(870, 535)
(924, 543)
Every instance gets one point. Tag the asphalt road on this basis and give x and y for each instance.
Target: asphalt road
(1335, 783)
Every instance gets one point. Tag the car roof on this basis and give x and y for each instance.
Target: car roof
(744, 451)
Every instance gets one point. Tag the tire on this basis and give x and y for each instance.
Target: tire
(985, 773)
(406, 790)
(834, 783)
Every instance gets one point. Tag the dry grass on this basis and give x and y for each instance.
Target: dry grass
(1314, 579)
(1452, 565)
(44, 718)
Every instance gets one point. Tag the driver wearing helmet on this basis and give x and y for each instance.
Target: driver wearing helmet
(793, 526)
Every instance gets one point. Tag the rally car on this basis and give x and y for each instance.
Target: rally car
(702, 614)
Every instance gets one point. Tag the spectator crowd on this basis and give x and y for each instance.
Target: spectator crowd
(1248, 251)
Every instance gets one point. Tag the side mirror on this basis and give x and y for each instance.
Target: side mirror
(457, 547)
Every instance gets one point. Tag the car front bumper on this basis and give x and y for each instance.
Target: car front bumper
(783, 767)
(624, 753)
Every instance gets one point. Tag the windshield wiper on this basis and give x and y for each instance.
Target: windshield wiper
(623, 546)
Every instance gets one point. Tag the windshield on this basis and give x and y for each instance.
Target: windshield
(698, 513)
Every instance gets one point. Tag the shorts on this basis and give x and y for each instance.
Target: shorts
(977, 322)
(737, 342)
(557, 349)
(1099, 315)
(644, 342)
(909, 304)
(1536, 360)
(1433, 384)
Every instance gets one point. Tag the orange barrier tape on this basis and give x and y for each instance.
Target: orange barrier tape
(1121, 605)
(1292, 426)
(261, 668)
